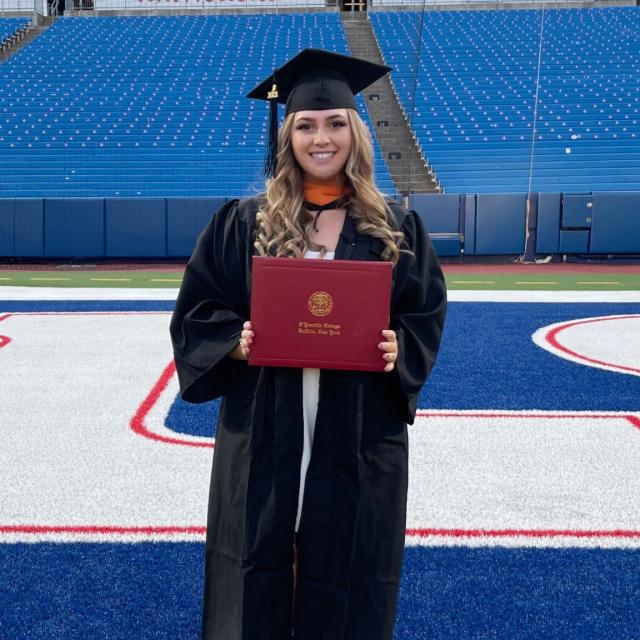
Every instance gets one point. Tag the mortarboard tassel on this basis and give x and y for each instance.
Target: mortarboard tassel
(272, 145)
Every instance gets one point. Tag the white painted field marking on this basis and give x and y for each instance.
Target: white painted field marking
(535, 282)
(473, 281)
(545, 477)
(71, 384)
(607, 342)
(454, 295)
(51, 279)
(72, 468)
(110, 279)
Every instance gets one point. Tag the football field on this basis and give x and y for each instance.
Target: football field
(524, 510)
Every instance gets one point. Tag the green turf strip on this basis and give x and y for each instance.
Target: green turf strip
(551, 282)
(160, 280)
(92, 278)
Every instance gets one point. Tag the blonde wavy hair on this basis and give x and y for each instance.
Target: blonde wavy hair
(284, 226)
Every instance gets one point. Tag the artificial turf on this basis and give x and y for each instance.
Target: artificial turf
(104, 278)
(153, 591)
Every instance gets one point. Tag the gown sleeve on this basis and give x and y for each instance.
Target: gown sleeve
(418, 311)
(211, 308)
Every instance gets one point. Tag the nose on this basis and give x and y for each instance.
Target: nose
(321, 137)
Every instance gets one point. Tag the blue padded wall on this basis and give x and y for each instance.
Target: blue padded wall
(168, 227)
(441, 216)
(574, 241)
(577, 210)
(470, 226)
(500, 221)
(74, 227)
(616, 223)
(440, 212)
(136, 227)
(6, 226)
(447, 245)
(29, 227)
(548, 231)
(186, 218)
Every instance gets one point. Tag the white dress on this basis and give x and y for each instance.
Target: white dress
(310, 395)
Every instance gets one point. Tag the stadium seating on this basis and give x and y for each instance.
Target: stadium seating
(148, 106)
(471, 98)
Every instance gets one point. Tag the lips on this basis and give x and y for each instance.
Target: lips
(325, 155)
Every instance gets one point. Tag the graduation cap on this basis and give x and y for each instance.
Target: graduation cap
(313, 80)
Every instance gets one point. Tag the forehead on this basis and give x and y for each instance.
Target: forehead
(323, 114)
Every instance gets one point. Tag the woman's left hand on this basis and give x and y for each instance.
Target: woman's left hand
(390, 348)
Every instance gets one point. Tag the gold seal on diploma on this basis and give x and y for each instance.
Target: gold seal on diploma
(320, 304)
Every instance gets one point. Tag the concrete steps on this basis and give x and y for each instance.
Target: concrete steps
(33, 31)
(407, 166)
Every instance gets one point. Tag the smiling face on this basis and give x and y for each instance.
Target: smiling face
(321, 143)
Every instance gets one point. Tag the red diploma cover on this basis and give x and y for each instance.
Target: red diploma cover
(325, 314)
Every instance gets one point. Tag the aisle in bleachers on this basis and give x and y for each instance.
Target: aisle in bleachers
(9, 26)
(150, 106)
(476, 88)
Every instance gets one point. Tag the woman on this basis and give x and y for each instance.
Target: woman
(308, 463)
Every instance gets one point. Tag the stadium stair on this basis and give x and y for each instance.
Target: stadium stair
(29, 33)
(406, 164)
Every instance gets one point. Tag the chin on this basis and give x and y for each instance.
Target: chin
(328, 175)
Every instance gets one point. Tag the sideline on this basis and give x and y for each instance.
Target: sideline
(454, 295)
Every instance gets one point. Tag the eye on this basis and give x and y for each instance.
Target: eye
(303, 127)
(337, 124)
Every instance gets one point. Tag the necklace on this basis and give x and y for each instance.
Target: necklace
(334, 204)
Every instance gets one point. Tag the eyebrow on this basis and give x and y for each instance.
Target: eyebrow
(307, 119)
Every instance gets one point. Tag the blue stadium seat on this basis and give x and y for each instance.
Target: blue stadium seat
(471, 96)
(149, 106)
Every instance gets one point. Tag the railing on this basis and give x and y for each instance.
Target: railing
(80, 5)
(22, 7)
(8, 42)
(187, 6)
(495, 4)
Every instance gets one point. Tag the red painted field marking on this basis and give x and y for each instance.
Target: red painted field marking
(634, 420)
(629, 417)
(4, 340)
(527, 533)
(552, 338)
(97, 529)
(138, 421)
(34, 529)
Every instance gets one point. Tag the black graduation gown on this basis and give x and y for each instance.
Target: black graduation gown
(351, 535)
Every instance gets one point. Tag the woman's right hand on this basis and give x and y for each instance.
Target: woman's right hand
(241, 351)
(246, 340)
